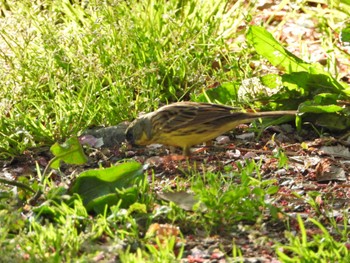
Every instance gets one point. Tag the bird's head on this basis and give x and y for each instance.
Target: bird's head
(139, 131)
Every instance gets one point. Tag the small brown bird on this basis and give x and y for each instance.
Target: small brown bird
(184, 124)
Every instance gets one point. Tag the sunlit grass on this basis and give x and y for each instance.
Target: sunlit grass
(66, 67)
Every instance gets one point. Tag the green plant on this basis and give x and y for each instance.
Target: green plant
(235, 196)
(319, 247)
(68, 66)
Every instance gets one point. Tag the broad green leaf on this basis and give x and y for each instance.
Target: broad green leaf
(347, 2)
(325, 115)
(126, 197)
(272, 81)
(224, 94)
(304, 107)
(96, 183)
(308, 84)
(69, 152)
(329, 82)
(326, 98)
(345, 35)
(297, 84)
(266, 45)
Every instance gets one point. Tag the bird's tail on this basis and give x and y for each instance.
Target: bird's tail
(245, 117)
(263, 114)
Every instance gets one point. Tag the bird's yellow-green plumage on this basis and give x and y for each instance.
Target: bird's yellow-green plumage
(185, 124)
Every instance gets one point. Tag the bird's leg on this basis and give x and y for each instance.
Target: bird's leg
(208, 143)
(186, 151)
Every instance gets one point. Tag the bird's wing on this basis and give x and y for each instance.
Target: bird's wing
(184, 115)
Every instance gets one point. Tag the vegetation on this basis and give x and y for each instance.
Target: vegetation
(70, 65)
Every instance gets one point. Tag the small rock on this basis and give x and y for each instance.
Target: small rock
(223, 139)
(246, 136)
(233, 154)
(111, 136)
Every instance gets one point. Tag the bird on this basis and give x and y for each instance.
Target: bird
(185, 124)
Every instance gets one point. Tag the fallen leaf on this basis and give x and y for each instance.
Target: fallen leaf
(336, 151)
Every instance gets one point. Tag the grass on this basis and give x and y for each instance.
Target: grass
(69, 65)
(61, 230)
(234, 197)
(66, 67)
(320, 247)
